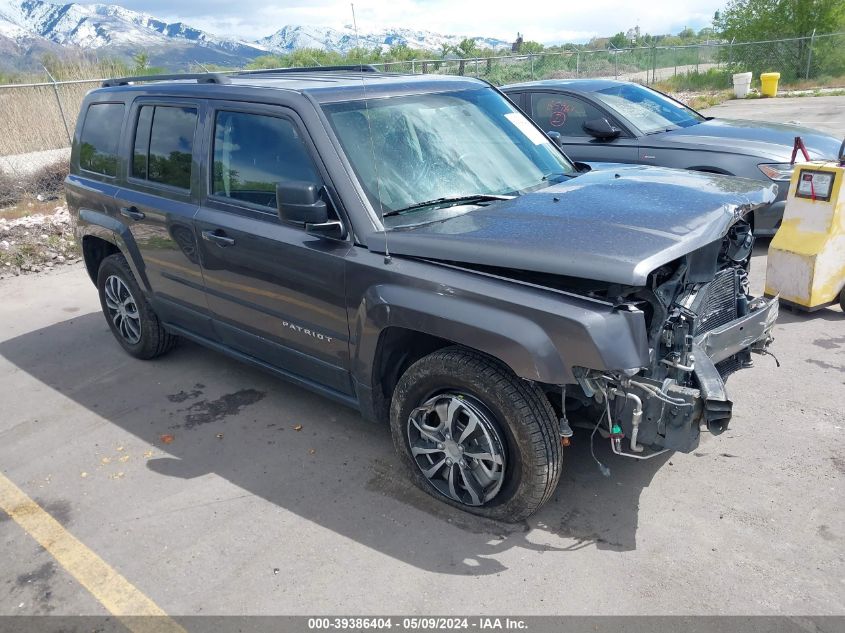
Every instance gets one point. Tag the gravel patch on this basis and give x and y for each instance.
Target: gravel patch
(38, 242)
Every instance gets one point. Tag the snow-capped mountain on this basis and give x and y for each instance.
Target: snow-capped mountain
(94, 26)
(28, 28)
(292, 37)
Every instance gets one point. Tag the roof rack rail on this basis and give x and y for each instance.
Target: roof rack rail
(201, 78)
(362, 68)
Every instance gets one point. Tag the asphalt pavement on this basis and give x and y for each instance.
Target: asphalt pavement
(822, 113)
(213, 488)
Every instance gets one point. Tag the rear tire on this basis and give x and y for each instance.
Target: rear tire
(130, 317)
(494, 435)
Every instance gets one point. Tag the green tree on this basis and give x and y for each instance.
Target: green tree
(467, 47)
(597, 43)
(755, 20)
(618, 41)
(531, 47)
(141, 60)
(400, 53)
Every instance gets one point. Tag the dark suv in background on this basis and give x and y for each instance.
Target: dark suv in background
(416, 248)
(602, 120)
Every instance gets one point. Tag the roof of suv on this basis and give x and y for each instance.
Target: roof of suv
(584, 85)
(323, 85)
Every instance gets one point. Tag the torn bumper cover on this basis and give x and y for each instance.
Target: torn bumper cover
(752, 332)
(661, 415)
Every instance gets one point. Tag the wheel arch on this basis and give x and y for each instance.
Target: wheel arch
(100, 235)
(94, 250)
(397, 349)
(396, 326)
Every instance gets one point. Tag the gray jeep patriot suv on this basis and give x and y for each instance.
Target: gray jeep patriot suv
(416, 248)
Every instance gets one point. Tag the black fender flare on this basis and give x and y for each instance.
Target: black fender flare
(98, 224)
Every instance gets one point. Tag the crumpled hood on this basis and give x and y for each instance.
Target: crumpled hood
(615, 225)
(769, 141)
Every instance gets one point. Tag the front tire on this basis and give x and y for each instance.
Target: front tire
(474, 435)
(130, 317)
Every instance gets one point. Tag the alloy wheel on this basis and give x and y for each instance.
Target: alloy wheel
(457, 448)
(123, 310)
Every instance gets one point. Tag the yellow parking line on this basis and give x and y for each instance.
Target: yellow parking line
(122, 599)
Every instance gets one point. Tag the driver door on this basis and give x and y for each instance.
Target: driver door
(566, 114)
(276, 293)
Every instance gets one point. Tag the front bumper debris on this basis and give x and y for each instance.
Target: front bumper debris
(661, 415)
(747, 332)
(752, 332)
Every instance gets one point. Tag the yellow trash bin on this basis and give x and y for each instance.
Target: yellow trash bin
(769, 84)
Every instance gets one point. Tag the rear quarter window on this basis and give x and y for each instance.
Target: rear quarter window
(100, 137)
(163, 145)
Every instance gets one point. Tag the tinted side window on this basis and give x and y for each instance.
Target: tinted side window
(562, 113)
(252, 153)
(100, 137)
(164, 141)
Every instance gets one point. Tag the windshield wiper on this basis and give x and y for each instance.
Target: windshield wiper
(663, 129)
(447, 201)
(557, 174)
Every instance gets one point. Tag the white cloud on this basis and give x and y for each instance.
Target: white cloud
(538, 20)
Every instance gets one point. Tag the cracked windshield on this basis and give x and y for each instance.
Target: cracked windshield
(648, 110)
(427, 150)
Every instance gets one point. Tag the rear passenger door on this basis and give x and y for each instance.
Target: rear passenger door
(159, 202)
(276, 292)
(566, 114)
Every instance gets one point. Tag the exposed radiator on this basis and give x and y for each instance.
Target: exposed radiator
(716, 303)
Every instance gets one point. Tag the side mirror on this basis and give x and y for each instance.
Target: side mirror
(299, 202)
(601, 129)
(556, 137)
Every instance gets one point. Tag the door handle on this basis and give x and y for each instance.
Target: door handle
(132, 213)
(218, 238)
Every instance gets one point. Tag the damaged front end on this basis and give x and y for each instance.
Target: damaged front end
(703, 326)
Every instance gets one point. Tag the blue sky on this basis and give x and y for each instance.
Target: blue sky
(541, 20)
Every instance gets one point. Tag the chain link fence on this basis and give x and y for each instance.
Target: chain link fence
(644, 64)
(36, 117)
(797, 58)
